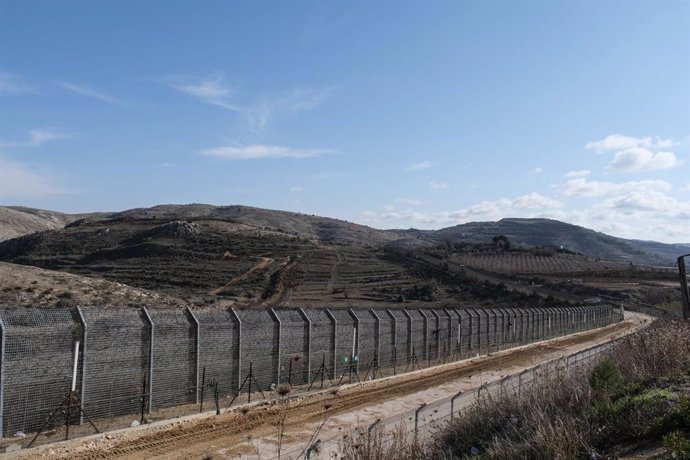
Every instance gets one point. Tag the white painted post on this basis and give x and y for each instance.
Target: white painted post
(82, 389)
(74, 366)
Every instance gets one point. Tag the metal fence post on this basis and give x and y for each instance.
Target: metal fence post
(239, 346)
(357, 334)
(334, 352)
(452, 404)
(416, 419)
(377, 337)
(427, 354)
(280, 330)
(151, 335)
(409, 332)
(308, 357)
(82, 389)
(197, 343)
(3, 339)
(394, 352)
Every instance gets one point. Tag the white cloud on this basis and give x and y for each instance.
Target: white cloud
(410, 201)
(420, 165)
(537, 170)
(21, 180)
(616, 142)
(438, 185)
(638, 159)
(87, 91)
(296, 189)
(38, 137)
(650, 201)
(259, 151)
(535, 201)
(11, 84)
(581, 187)
(581, 173)
(530, 205)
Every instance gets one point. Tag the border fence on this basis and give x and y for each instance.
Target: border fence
(142, 364)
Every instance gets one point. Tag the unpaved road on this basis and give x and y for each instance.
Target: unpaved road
(228, 435)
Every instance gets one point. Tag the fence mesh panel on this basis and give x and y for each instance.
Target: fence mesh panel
(157, 363)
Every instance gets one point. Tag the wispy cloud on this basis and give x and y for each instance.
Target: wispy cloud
(87, 91)
(11, 84)
(21, 180)
(211, 89)
(257, 110)
(580, 173)
(615, 142)
(537, 170)
(304, 99)
(297, 189)
(438, 185)
(420, 165)
(38, 137)
(260, 151)
(581, 187)
(532, 204)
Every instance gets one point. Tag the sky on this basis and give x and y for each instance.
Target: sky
(393, 114)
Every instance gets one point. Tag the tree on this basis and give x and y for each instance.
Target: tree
(501, 243)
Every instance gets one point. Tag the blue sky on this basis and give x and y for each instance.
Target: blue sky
(392, 114)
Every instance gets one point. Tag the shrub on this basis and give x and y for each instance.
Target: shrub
(677, 445)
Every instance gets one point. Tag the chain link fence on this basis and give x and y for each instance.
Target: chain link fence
(139, 365)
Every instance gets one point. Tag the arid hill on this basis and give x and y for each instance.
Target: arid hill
(244, 256)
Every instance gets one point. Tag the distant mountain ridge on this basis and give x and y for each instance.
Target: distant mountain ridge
(554, 233)
(18, 221)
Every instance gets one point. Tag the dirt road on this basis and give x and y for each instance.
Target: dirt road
(251, 432)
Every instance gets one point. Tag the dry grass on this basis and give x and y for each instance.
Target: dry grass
(637, 395)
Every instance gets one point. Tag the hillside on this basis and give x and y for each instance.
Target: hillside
(250, 257)
(553, 233)
(17, 221)
(245, 256)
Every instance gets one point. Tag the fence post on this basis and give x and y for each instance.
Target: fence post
(334, 353)
(82, 389)
(280, 330)
(416, 419)
(452, 404)
(438, 334)
(3, 338)
(409, 332)
(394, 352)
(356, 344)
(151, 335)
(197, 343)
(239, 346)
(377, 337)
(427, 354)
(308, 357)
